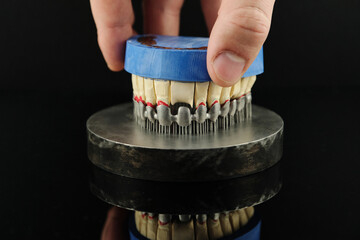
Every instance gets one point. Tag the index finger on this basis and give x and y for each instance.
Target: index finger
(114, 20)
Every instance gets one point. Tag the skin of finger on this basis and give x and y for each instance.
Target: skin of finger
(162, 16)
(241, 27)
(210, 10)
(114, 20)
(116, 225)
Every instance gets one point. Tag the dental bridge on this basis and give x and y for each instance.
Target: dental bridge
(185, 151)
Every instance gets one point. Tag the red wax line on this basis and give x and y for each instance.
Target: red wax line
(214, 103)
(162, 223)
(150, 217)
(139, 99)
(143, 215)
(162, 103)
(224, 102)
(150, 104)
(202, 103)
(240, 97)
(142, 100)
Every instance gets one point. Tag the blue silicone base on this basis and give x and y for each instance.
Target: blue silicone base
(250, 232)
(175, 58)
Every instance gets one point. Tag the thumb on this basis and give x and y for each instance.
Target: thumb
(236, 38)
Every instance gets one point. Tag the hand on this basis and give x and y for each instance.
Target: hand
(116, 225)
(238, 30)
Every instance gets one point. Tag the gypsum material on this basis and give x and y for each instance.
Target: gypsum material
(200, 122)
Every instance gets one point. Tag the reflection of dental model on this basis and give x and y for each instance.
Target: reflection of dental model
(188, 107)
(201, 227)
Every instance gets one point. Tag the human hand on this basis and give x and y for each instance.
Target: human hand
(238, 30)
(116, 225)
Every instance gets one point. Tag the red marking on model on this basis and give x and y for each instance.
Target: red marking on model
(150, 104)
(162, 223)
(225, 102)
(139, 99)
(143, 215)
(214, 103)
(240, 97)
(200, 104)
(150, 217)
(162, 103)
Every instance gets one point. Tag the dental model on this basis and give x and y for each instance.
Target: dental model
(173, 92)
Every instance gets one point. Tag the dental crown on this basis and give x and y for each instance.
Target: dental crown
(173, 92)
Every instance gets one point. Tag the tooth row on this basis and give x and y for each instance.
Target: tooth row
(203, 120)
(154, 92)
(198, 227)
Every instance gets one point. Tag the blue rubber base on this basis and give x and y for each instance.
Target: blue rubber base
(250, 232)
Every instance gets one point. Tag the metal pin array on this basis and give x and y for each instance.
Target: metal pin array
(165, 218)
(201, 121)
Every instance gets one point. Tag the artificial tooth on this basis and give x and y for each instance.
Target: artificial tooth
(201, 230)
(151, 227)
(162, 92)
(143, 224)
(225, 224)
(137, 218)
(183, 230)
(242, 217)
(225, 95)
(214, 94)
(235, 90)
(201, 91)
(140, 85)
(234, 220)
(149, 89)
(164, 228)
(182, 92)
(251, 82)
(214, 227)
(249, 212)
(135, 85)
(244, 83)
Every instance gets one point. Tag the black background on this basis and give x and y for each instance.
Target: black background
(53, 77)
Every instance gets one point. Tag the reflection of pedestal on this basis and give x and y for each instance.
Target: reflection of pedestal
(185, 197)
(184, 174)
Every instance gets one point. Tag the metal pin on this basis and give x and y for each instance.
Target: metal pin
(201, 218)
(215, 216)
(184, 218)
(164, 218)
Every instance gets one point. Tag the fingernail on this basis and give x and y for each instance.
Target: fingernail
(228, 67)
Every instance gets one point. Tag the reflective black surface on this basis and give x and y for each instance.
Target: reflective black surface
(44, 175)
(185, 197)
